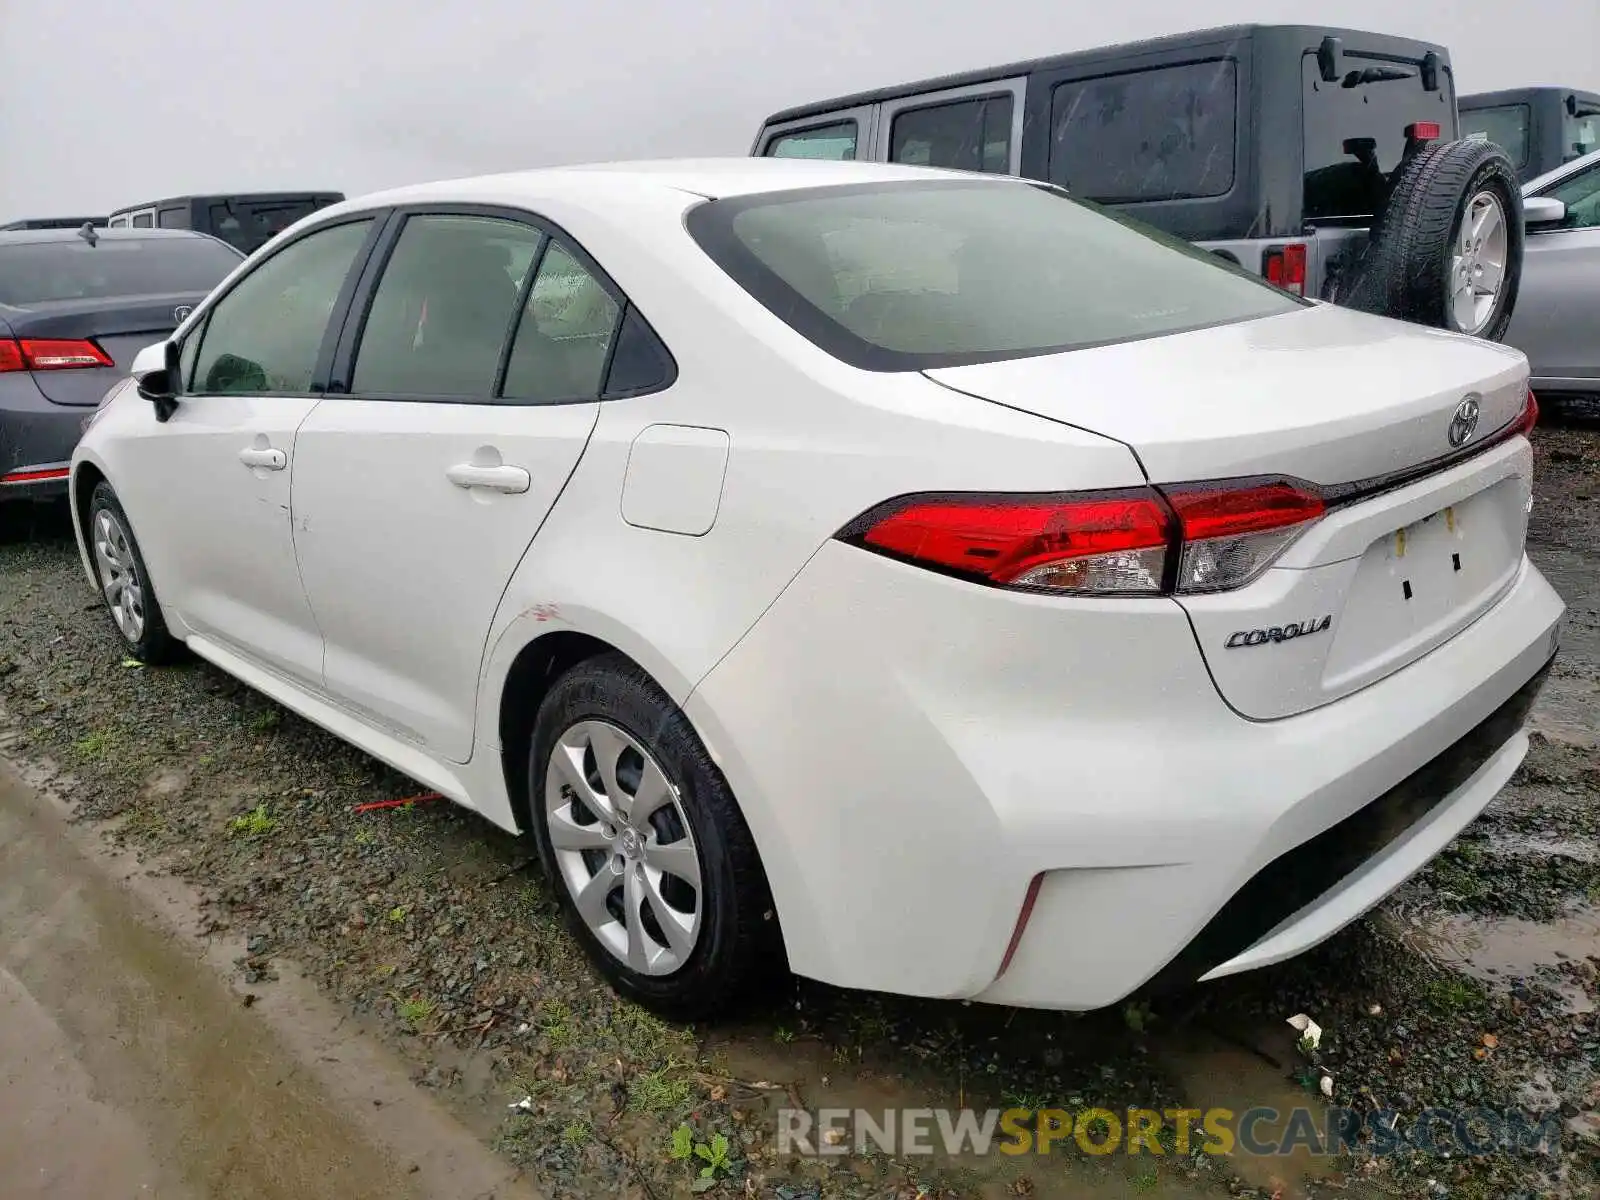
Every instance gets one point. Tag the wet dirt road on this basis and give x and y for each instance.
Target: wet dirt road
(129, 1069)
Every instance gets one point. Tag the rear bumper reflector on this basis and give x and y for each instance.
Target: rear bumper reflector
(1022, 922)
(42, 474)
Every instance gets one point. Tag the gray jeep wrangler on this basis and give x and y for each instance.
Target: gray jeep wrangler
(1327, 160)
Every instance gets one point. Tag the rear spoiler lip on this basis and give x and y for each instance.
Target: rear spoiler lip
(1339, 495)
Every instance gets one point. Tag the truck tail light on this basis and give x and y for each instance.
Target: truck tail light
(1285, 267)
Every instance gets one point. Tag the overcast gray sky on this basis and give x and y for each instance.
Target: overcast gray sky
(106, 102)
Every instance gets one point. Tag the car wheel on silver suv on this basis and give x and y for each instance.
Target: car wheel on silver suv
(125, 581)
(645, 845)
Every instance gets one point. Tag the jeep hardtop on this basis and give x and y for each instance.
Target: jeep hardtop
(1327, 160)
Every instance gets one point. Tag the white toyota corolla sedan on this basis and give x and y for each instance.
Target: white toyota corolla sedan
(921, 579)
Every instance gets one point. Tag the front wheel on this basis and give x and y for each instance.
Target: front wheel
(125, 581)
(645, 845)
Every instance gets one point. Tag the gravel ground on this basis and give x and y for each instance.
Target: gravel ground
(1475, 985)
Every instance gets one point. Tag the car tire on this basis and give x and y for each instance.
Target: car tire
(124, 581)
(1412, 267)
(607, 720)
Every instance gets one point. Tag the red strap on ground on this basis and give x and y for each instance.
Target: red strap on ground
(376, 804)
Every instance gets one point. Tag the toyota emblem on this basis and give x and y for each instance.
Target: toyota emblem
(181, 313)
(1464, 424)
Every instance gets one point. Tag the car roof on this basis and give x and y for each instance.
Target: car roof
(1307, 35)
(12, 237)
(238, 197)
(1521, 95)
(668, 179)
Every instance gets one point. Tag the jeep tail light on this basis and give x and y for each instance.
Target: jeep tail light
(1231, 534)
(1285, 267)
(50, 354)
(1131, 542)
(1423, 131)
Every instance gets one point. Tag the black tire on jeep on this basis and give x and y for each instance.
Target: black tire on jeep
(1412, 268)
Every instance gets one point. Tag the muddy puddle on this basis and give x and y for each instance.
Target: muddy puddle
(1507, 950)
(112, 1023)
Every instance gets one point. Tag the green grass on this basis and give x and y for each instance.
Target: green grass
(93, 745)
(265, 721)
(255, 823)
(414, 1010)
(662, 1091)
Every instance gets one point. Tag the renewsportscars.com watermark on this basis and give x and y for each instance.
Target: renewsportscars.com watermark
(1180, 1131)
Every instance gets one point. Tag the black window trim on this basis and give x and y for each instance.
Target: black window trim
(775, 136)
(352, 320)
(1009, 95)
(715, 237)
(319, 374)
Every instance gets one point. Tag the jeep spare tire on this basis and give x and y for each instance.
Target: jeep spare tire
(1447, 249)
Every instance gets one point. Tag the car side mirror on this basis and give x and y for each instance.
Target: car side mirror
(155, 374)
(1543, 212)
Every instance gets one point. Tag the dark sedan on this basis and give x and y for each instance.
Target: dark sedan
(75, 307)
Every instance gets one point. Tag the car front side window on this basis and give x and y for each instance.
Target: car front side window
(1581, 195)
(266, 334)
(440, 315)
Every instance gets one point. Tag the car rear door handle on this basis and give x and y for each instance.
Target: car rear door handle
(494, 479)
(270, 458)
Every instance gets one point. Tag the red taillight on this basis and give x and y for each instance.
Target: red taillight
(1139, 541)
(1529, 417)
(1423, 131)
(1233, 532)
(62, 354)
(51, 354)
(1285, 267)
(1085, 542)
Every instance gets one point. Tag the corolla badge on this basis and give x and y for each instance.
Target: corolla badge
(1465, 422)
(1278, 633)
(181, 313)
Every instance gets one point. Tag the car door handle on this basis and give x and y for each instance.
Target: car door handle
(270, 458)
(495, 479)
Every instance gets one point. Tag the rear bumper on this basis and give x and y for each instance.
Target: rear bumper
(911, 752)
(37, 438)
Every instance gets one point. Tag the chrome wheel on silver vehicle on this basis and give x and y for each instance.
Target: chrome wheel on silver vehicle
(119, 574)
(1478, 266)
(623, 846)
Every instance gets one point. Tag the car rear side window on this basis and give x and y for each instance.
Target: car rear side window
(1166, 133)
(142, 221)
(1355, 130)
(964, 135)
(835, 141)
(440, 315)
(910, 276)
(73, 269)
(564, 336)
(1506, 125)
(264, 336)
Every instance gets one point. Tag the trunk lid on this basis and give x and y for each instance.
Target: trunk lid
(119, 325)
(1341, 400)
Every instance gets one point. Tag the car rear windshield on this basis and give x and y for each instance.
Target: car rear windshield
(36, 272)
(1355, 129)
(916, 275)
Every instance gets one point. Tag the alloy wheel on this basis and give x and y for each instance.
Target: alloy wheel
(119, 574)
(624, 847)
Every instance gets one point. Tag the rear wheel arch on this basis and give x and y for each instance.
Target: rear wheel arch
(532, 673)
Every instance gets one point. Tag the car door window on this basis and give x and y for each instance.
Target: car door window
(266, 333)
(440, 315)
(564, 335)
(1581, 195)
(142, 221)
(836, 141)
(964, 135)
